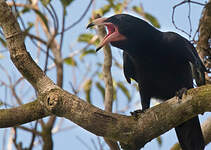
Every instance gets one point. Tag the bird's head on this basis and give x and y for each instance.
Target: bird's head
(122, 29)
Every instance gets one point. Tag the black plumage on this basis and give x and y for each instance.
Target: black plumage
(162, 63)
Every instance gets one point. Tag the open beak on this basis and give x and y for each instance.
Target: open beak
(112, 35)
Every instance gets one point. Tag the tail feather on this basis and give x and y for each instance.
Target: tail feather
(190, 135)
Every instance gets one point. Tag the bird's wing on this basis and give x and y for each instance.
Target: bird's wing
(187, 51)
(129, 68)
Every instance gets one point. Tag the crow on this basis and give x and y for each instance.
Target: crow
(162, 63)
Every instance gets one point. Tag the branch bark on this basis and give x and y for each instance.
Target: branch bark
(108, 102)
(203, 43)
(126, 129)
(20, 57)
(22, 114)
(131, 132)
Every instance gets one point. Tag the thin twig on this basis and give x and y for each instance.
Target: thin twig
(189, 12)
(16, 11)
(33, 136)
(79, 20)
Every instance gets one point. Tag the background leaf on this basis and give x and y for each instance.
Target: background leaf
(70, 61)
(42, 16)
(124, 90)
(100, 88)
(87, 89)
(152, 20)
(86, 52)
(45, 2)
(65, 3)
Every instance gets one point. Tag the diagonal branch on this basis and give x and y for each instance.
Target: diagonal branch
(128, 130)
(20, 57)
(131, 132)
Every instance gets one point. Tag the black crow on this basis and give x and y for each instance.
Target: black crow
(163, 63)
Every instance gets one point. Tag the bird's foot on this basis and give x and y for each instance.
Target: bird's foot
(136, 113)
(180, 93)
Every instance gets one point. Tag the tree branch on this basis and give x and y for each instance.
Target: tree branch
(203, 43)
(206, 129)
(22, 114)
(107, 77)
(131, 132)
(20, 57)
(127, 129)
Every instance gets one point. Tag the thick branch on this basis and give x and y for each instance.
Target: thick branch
(22, 114)
(126, 129)
(20, 57)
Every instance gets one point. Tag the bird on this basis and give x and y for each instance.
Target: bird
(162, 63)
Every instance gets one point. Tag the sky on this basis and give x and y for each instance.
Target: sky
(78, 138)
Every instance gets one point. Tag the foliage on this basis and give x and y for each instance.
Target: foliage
(46, 30)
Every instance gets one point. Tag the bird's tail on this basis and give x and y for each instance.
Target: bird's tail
(190, 135)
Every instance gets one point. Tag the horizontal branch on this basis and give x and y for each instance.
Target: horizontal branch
(130, 131)
(22, 114)
(127, 129)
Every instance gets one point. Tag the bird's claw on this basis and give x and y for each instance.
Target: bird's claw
(136, 113)
(180, 93)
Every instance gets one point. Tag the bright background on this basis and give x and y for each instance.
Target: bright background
(75, 137)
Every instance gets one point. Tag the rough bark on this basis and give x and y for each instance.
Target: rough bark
(22, 114)
(126, 129)
(131, 132)
(20, 57)
(107, 77)
(203, 43)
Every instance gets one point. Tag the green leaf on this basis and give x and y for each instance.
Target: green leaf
(25, 10)
(70, 61)
(3, 42)
(159, 140)
(30, 25)
(147, 16)
(104, 9)
(124, 90)
(85, 37)
(1, 103)
(87, 89)
(152, 20)
(44, 19)
(176, 146)
(118, 8)
(1, 56)
(65, 3)
(100, 88)
(138, 10)
(114, 93)
(86, 52)
(45, 2)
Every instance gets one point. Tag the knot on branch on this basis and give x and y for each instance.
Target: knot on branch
(52, 100)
